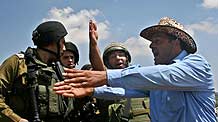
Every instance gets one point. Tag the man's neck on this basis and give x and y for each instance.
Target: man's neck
(43, 55)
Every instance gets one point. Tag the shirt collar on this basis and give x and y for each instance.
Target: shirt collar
(181, 55)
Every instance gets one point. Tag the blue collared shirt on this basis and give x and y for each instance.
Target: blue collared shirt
(116, 93)
(180, 92)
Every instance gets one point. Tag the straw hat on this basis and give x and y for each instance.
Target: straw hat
(170, 26)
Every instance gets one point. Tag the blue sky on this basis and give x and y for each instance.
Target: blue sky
(117, 20)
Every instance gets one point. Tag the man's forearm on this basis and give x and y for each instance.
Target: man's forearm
(95, 57)
(112, 93)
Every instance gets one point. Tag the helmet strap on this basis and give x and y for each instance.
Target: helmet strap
(49, 51)
(58, 55)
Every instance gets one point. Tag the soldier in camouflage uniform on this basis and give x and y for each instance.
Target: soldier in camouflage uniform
(115, 56)
(79, 109)
(70, 59)
(32, 71)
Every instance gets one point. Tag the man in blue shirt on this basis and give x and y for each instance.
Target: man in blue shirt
(181, 82)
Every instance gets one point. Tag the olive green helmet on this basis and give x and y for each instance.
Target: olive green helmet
(72, 48)
(48, 32)
(115, 47)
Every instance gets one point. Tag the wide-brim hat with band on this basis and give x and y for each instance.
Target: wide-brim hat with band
(170, 26)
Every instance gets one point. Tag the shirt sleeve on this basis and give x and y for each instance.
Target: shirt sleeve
(193, 73)
(8, 71)
(114, 93)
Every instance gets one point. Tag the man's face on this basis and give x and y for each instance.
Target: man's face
(117, 60)
(54, 48)
(163, 49)
(68, 59)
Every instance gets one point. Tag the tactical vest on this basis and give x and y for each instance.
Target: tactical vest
(130, 110)
(18, 95)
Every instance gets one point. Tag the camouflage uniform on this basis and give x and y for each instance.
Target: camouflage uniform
(15, 99)
(16, 86)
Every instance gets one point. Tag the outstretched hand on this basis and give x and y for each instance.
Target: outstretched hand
(84, 78)
(66, 90)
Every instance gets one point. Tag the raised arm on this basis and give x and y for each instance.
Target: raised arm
(94, 52)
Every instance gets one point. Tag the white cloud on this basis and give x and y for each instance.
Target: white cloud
(210, 3)
(207, 26)
(77, 27)
(137, 46)
(77, 23)
(140, 51)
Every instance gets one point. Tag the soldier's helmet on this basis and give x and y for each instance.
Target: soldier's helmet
(72, 48)
(48, 32)
(115, 47)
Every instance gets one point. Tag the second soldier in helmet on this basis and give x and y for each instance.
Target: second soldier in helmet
(79, 109)
(116, 56)
(70, 56)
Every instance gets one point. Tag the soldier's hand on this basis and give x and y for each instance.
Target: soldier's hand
(93, 34)
(23, 120)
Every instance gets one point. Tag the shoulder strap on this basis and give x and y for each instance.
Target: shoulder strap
(22, 68)
(20, 55)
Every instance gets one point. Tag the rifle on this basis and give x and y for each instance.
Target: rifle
(58, 68)
(84, 110)
(32, 82)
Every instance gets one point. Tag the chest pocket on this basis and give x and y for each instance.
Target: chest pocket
(47, 99)
(172, 101)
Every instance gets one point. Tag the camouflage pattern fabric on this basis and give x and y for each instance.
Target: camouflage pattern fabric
(15, 98)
